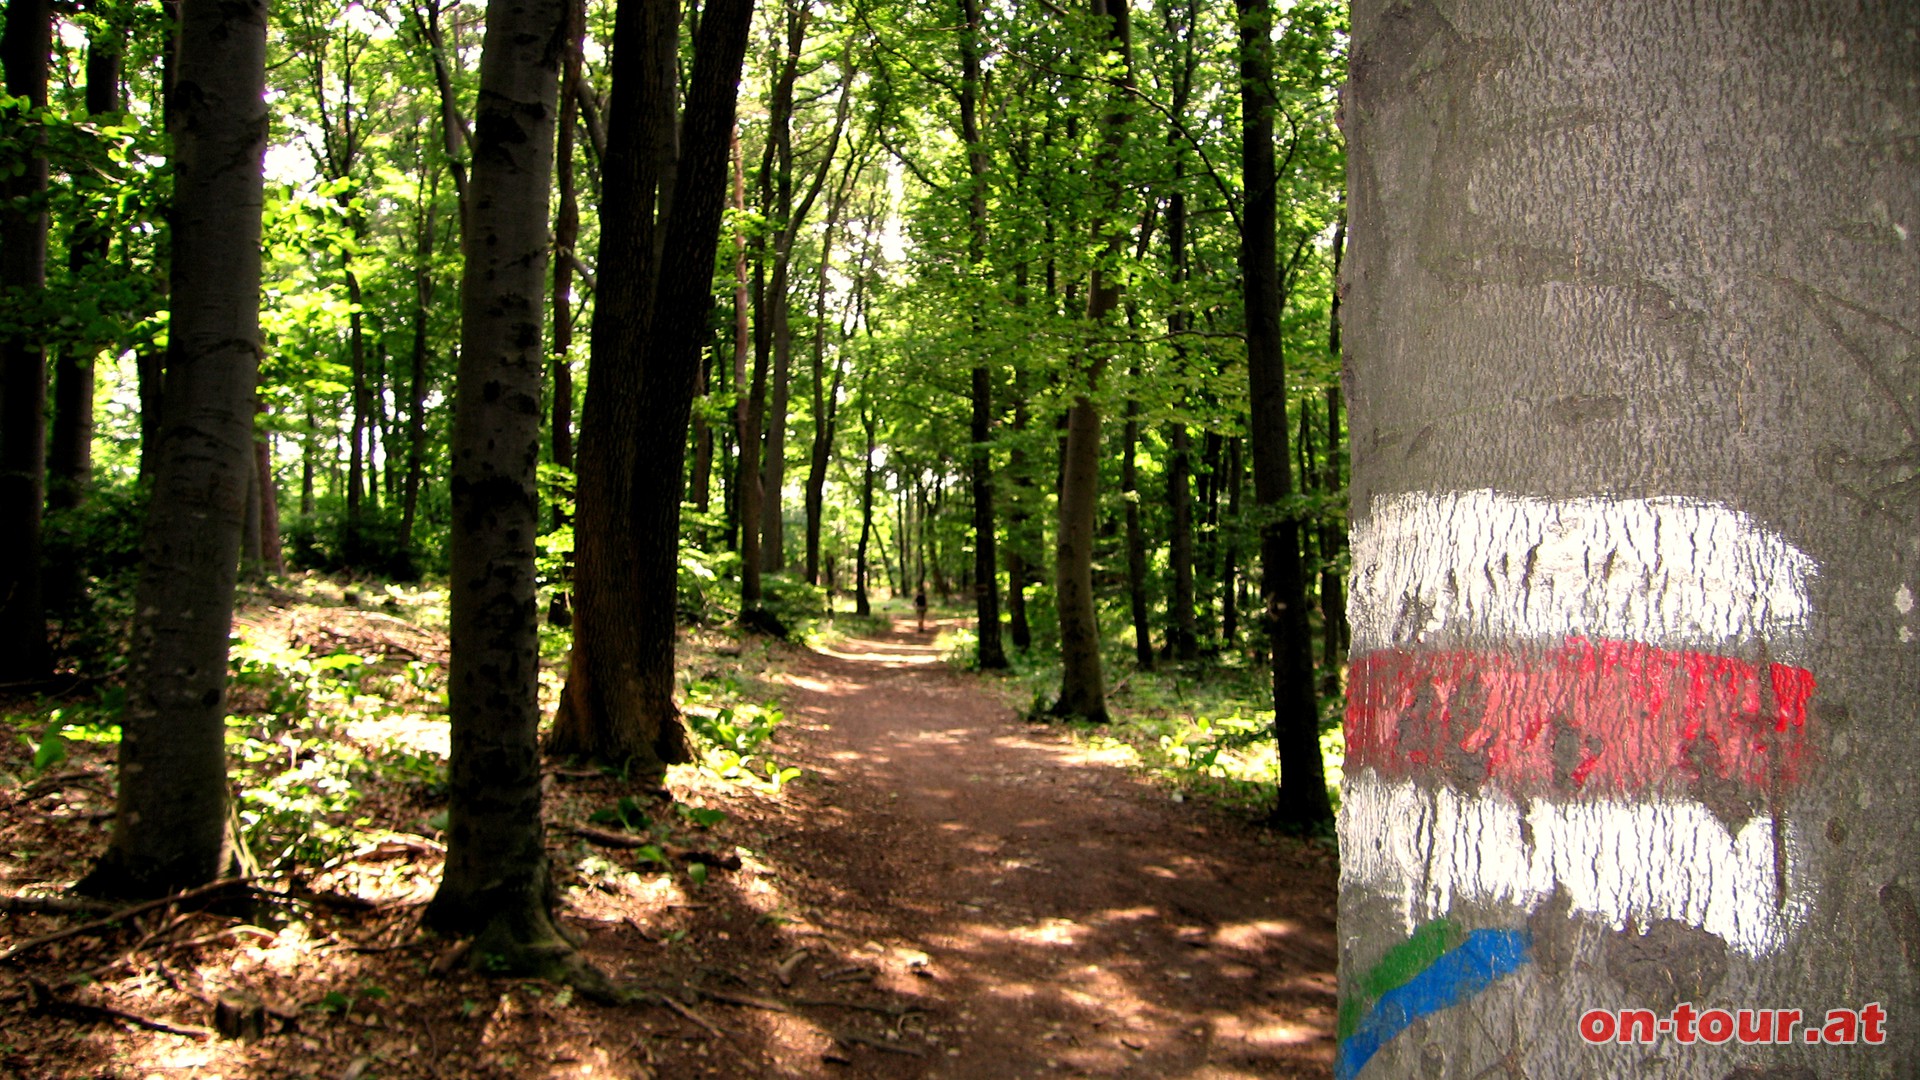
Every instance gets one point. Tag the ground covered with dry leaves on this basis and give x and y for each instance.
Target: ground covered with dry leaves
(941, 889)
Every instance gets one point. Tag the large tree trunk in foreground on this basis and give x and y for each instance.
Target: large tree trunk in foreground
(496, 884)
(1303, 804)
(1631, 326)
(23, 359)
(170, 829)
(649, 323)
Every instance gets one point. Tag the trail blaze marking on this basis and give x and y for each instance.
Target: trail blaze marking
(1450, 978)
(1606, 698)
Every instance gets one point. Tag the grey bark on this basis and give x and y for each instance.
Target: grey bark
(1659, 251)
(496, 885)
(170, 829)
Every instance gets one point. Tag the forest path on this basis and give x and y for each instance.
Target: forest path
(1053, 914)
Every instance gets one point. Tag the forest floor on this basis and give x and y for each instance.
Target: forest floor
(947, 890)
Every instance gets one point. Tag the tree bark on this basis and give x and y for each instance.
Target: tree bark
(423, 290)
(1083, 691)
(170, 828)
(1302, 803)
(989, 654)
(1136, 538)
(649, 324)
(1333, 538)
(496, 886)
(1631, 323)
(863, 606)
(23, 361)
(566, 233)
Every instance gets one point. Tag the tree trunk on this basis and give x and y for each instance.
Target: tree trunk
(496, 886)
(23, 361)
(1018, 569)
(272, 559)
(990, 654)
(749, 478)
(772, 328)
(649, 324)
(417, 377)
(357, 439)
(1634, 540)
(1229, 544)
(869, 423)
(1083, 691)
(1136, 538)
(170, 826)
(742, 344)
(1303, 803)
(1333, 538)
(566, 233)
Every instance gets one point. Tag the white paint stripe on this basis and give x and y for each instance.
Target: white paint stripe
(1627, 863)
(1476, 568)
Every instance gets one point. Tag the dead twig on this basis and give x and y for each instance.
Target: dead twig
(122, 915)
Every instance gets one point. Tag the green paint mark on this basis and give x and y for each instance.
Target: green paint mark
(1400, 964)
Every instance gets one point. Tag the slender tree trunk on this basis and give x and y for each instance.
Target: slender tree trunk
(650, 320)
(825, 398)
(272, 558)
(1303, 803)
(496, 885)
(772, 328)
(742, 344)
(566, 233)
(309, 437)
(1333, 538)
(990, 654)
(749, 478)
(1633, 542)
(23, 362)
(171, 821)
(1136, 538)
(421, 355)
(1018, 568)
(868, 423)
(357, 433)
(1229, 542)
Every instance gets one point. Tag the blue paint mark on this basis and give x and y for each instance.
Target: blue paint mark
(1458, 974)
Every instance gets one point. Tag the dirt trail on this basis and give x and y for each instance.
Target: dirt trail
(1074, 920)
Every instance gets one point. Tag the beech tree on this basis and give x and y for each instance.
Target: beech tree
(656, 275)
(171, 825)
(1632, 604)
(1303, 803)
(496, 885)
(23, 358)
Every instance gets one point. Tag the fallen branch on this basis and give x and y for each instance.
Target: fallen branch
(787, 1005)
(122, 915)
(849, 1038)
(42, 999)
(60, 905)
(667, 1000)
(630, 842)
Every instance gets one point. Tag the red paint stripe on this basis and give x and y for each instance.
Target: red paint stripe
(1628, 717)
